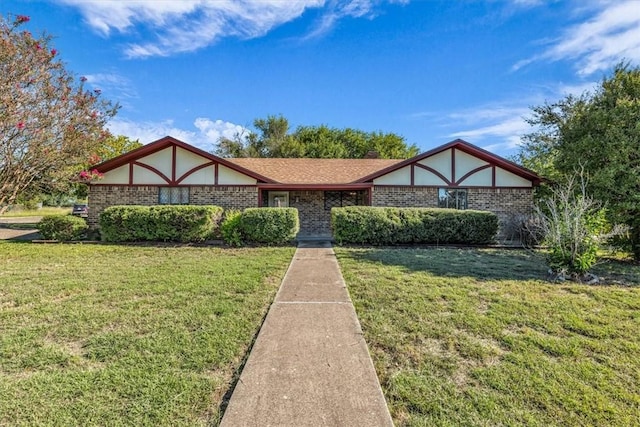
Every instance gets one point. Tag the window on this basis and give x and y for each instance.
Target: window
(453, 198)
(173, 196)
(279, 199)
(338, 199)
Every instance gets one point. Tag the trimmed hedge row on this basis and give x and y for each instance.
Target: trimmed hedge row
(159, 223)
(272, 226)
(62, 227)
(388, 226)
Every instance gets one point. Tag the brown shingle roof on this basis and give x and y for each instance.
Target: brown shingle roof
(314, 171)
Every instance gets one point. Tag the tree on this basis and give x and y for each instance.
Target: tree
(273, 139)
(114, 146)
(49, 124)
(600, 132)
(322, 141)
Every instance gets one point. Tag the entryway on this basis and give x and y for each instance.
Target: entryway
(314, 206)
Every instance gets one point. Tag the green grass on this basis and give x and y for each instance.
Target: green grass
(36, 212)
(479, 338)
(126, 335)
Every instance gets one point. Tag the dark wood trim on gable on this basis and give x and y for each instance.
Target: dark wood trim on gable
(152, 169)
(168, 141)
(453, 165)
(478, 169)
(433, 171)
(174, 153)
(467, 148)
(193, 170)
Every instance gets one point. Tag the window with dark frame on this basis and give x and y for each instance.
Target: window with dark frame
(339, 199)
(173, 196)
(452, 198)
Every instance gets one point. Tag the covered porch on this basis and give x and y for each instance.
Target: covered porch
(314, 203)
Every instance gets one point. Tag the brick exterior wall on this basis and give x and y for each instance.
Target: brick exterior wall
(509, 204)
(314, 219)
(405, 197)
(103, 196)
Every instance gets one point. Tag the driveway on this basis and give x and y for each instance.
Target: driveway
(19, 228)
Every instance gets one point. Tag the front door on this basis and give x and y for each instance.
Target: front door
(278, 199)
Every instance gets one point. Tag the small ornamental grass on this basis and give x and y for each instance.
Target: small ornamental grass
(574, 226)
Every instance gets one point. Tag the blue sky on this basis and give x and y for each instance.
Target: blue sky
(431, 70)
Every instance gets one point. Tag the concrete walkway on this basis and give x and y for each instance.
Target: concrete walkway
(310, 365)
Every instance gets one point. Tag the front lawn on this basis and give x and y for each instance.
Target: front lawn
(478, 338)
(35, 212)
(126, 335)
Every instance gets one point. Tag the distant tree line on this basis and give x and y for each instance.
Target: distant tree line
(272, 138)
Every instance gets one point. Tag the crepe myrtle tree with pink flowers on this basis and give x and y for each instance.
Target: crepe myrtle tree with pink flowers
(50, 123)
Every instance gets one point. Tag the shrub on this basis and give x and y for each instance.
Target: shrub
(574, 227)
(270, 225)
(159, 223)
(62, 227)
(387, 226)
(231, 228)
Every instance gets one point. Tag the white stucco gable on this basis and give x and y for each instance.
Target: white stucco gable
(173, 163)
(457, 164)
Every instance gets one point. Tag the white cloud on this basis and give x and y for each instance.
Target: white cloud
(577, 89)
(496, 127)
(204, 135)
(611, 35)
(499, 126)
(214, 130)
(112, 85)
(188, 25)
(504, 135)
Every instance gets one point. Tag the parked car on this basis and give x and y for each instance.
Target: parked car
(80, 210)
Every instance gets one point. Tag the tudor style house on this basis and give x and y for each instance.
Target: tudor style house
(455, 175)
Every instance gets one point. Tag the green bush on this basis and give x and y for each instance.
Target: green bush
(388, 226)
(231, 228)
(62, 227)
(166, 223)
(272, 226)
(574, 226)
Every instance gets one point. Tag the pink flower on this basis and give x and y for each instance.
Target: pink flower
(53, 52)
(22, 18)
(94, 159)
(20, 125)
(86, 175)
(38, 47)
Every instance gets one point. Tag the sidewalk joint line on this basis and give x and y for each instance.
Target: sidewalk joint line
(313, 302)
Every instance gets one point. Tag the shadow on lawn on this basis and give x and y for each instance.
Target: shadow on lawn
(484, 264)
(18, 231)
